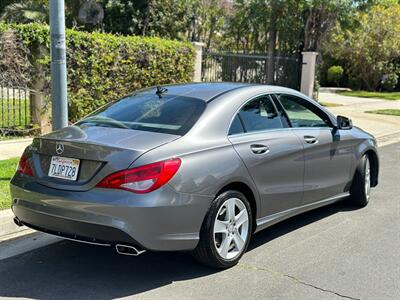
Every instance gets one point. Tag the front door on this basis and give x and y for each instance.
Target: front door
(327, 157)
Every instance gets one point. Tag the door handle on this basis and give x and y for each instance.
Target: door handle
(259, 149)
(310, 139)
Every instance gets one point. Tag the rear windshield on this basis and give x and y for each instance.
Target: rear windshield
(170, 114)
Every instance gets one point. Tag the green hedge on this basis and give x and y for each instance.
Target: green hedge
(103, 67)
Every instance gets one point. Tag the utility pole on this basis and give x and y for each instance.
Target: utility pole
(58, 65)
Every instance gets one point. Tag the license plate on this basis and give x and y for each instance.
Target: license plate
(64, 167)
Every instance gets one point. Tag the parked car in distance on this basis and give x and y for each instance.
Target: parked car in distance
(197, 167)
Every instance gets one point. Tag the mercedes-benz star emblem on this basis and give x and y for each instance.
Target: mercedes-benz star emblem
(59, 148)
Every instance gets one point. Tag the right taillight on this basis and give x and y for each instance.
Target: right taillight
(144, 179)
(24, 166)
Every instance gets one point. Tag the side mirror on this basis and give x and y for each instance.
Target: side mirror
(344, 123)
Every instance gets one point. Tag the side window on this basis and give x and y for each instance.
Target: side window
(236, 126)
(260, 114)
(300, 112)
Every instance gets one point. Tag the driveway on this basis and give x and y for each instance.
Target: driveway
(381, 126)
(335, 252)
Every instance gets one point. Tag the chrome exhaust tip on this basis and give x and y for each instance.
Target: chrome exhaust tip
(18, 222)
(128, 250)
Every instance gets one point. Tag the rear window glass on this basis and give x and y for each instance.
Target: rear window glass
(170, 114)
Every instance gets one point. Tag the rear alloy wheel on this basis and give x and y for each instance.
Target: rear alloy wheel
(361, 187)
(226, 231)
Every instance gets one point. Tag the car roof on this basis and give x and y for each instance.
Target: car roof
(208, 91)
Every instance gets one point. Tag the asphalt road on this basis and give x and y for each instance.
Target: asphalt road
(330, 253)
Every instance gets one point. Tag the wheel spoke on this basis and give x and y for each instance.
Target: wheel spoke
(238, 240)
(241, 218)
(226, 243)
(220, 226)
(230, 205)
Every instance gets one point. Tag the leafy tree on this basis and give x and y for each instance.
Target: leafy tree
(167, 18)
(320, 17)
(25, 11)
(371, 52)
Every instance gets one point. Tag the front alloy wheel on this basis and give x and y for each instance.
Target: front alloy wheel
(226, 231)
(361, 186)
(367, 178)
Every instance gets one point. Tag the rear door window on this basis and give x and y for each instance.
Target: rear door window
(148, 112)
(260, 114)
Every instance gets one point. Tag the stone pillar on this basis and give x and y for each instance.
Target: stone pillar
(198, 61)
(308, 73)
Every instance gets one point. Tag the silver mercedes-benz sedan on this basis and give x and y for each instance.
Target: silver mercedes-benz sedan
(197, 167)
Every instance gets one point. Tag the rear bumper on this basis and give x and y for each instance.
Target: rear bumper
(72, 229)
(163, 220)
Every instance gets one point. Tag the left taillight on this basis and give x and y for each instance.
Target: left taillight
(24, 166)
(142, 179)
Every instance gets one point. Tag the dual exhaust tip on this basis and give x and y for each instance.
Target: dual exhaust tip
(121, 249)
(18, 222)
(129, 250)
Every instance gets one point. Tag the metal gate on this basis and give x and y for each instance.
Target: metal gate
(252, 68)
(15, 109)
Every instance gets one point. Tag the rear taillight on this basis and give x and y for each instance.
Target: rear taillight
(24, 166)
(142, 179)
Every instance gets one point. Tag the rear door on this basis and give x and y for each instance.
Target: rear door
(271, 152)
(327, 158)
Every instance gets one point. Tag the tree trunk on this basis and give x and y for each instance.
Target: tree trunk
(271, 50)
(307, 30)
(210, 35)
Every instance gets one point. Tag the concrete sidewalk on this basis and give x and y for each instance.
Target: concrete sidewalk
(13, 148)
(385, 128)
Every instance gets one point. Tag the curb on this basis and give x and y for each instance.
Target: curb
(15, 240)
(26, 243)
(8, 230)
(388, 139)
(333, 90)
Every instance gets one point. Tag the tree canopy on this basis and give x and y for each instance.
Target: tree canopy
(370, 51)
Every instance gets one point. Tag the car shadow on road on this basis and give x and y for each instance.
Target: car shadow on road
(263, 237)
(68, 270)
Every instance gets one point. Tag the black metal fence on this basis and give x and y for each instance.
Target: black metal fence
(15, 109)
(252, 68)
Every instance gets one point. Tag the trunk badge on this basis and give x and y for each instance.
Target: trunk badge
(59, 148)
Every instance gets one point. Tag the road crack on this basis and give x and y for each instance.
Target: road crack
(293, 278)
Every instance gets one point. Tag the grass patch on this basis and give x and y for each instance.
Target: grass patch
(390, 112)
(330, 104)
(7, 170)
(380, 95)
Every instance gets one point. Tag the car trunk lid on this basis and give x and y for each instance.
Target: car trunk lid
(101, 151)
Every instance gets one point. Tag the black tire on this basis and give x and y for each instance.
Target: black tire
(359, 196)
(206, 251)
